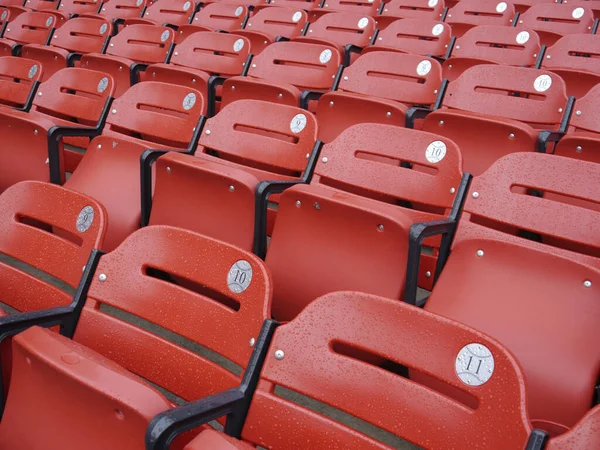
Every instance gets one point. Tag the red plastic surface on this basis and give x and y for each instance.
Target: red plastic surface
(472, 13)
(219, 16)
(123, 9)
(15, 80)
(410, 9)
(30, 28)
(341, 29)
(422, 37)
(173, 12)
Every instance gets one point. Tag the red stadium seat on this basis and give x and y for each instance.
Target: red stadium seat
(522, 6)
(378, 87)
(271, 24)
(79, 7)
(350, 32)
(360, 7)
(213, 191)
(430, 10)
(584, 139)
(149, 115)
(122, 9)
(519, 290)
(77, 37)
(575, 59)
(103, 402)
(551, 22)
(422, 37)
(347, 228)
(493, 110)
(214, 17)
(306, 5)
(4, 18)
(27, 28)
(492, 45)
(130, 51)
(19, 79)
(73, 97)
(472, 13)
(197, 60)
(283, 71)
(171, 12)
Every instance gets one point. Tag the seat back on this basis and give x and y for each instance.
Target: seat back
(212, 52)
(565, 216)
(535, 97)
(75, 94)
(471, 13)
(347, 164)
(503, 45)
(267, 136)
(553, 21)
(40, 5)
(370, 8)
(157, 112)
(79, 6)
(4, 17)
(30, 28)
(221, 16)
(409, 79)
(414, 9)
(422, 37)
(199, 289)
(142, 43)
(276, 21)
(17, 78)
(83, 35)
(309, 66)
(340, 351)
(123, 9)
(34, 216)
(586, 109)
(173, 12)
(578, 52)
(343, 28)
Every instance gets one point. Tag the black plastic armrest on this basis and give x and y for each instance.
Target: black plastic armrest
(171, 26)
(30, 97)
(439, 59)
(348, 50)
(537, 440)
(546, 137)
(282, 39)
(147, 159)
(134, 72)
(414, 113)
(167, 425)
(307, 96)
(234, 402)
(72, 58)
(213, 82)
(116, 23)
(56, 133)
(16, 49)
(418, 233)
(266, 188)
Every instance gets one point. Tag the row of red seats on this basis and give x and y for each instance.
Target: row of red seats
(348, 350)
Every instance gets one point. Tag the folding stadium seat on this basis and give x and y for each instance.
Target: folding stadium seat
(73, 98)
(99, 383)
(575, 59)
(583, 142)
(166, 12)
(130, 52)
(521, 6)
(410, 9)
(27, 28)
(493, 45)
(286, 72)
(203, 61)
(494, 110)
(78, 7)
(594, 5)
(118, 11)
(551, 22)
(4, 19)
(19, 80)
(273, 24)
(149, 115)
(213, 191)
(422, 37)
(77, 37)
(306, 5)
(215, 17)
(349, 32)
(41, 5)
(349, 228)
(472, 13)
(379, 87)
(520, 290)
(326, 355)
(370, 8)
